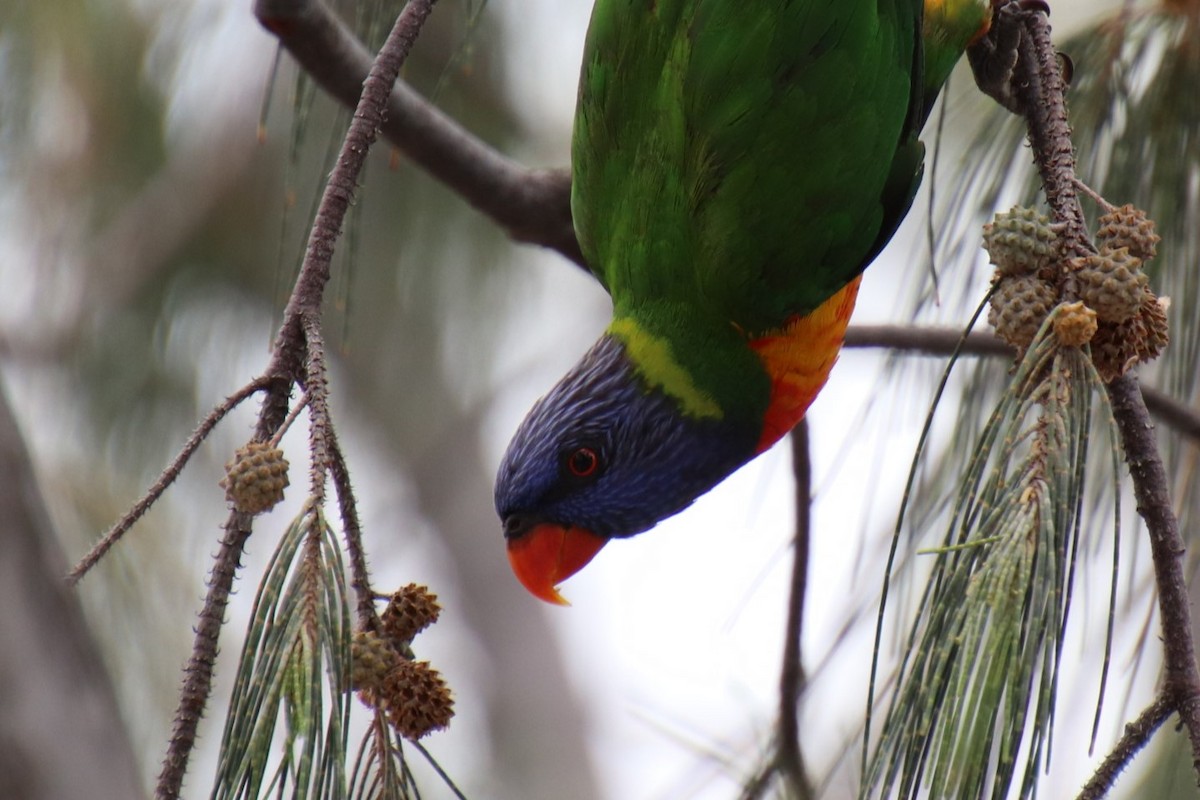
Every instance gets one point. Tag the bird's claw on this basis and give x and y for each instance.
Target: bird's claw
(994, 57)
(1036, 6)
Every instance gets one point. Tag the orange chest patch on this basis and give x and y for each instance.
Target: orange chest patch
(799, 358)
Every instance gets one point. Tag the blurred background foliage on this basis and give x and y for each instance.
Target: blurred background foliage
(149, 229)
(149, 239)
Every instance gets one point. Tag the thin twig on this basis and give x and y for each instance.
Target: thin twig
(1181, 680)
(533, 205)
(1041, 86)
(165, 479)
(758, 784)
(293, 415)
(1137, 735)
(360, 579)
(316, 386)
(927, 340)
(787, 760)
(288, 365)
(197, 680)
(942, 341)
(792, 678)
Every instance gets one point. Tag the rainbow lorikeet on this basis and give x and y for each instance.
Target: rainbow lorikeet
(736, 166)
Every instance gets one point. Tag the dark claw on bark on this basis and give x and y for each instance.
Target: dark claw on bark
(993, 58)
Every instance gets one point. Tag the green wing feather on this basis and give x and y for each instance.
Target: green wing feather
(949, 27)
(744, 160)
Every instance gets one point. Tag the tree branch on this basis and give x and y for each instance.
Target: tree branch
(533, 205)
(368, 618)
(942, 341)
(292, 362)
(1137, 735)
(165, 479)
(197, 680)
(1038, 94)
(1181, 683)
(792, 678)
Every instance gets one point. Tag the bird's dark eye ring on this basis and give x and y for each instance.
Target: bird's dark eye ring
(583, 463)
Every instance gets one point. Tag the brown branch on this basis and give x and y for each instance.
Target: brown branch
(792, 678)
(292, 416)
(316, 387)
(1039, 93)
(942, 341)
(1181, 683)
(360, 580)
(292, 361)
(1177, 415)
(165, 479)
(926, 340)
(197, 678)
(787, 761)
(1137, 735)
(1041, 86)
(533, 205)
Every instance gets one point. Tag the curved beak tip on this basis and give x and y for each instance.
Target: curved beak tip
(551, 595)
(547, 554)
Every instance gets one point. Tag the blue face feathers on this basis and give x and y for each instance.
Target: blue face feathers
(603, 452)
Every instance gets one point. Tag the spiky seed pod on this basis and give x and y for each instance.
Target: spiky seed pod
(1153, 316)
(1074, 324)
(256, 477)
(1019, 306)
(1112, 283)
(410, 611)
(1020, 241)
(372, 658)
(416, 699)
(1128, 227)
(1115, 348)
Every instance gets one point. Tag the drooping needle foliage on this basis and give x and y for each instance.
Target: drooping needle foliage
(295, 669)
(973, 711)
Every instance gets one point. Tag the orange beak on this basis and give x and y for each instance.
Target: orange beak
(547, 554)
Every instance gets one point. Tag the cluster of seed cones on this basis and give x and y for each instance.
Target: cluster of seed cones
(412, 694)
(1116, 312)
(256, 477)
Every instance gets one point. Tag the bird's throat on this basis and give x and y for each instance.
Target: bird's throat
(798, 359)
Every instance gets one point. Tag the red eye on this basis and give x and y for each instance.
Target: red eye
(583, 462)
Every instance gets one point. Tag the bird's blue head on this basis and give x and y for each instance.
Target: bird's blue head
(606, 454)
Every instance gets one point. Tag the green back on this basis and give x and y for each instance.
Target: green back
(742, 161)
(949, 27)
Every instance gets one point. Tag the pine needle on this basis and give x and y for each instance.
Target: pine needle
(294, 665)
(973, 711)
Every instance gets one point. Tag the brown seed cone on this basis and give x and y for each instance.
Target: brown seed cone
(410, 611)
(256, 477)
(1115, 347)
(1112, 283)
(1020, 241)
(1074, 324)
(1019, 306)
(372, 657)
(1130, 228)
(1153, 317)
(416, 699)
